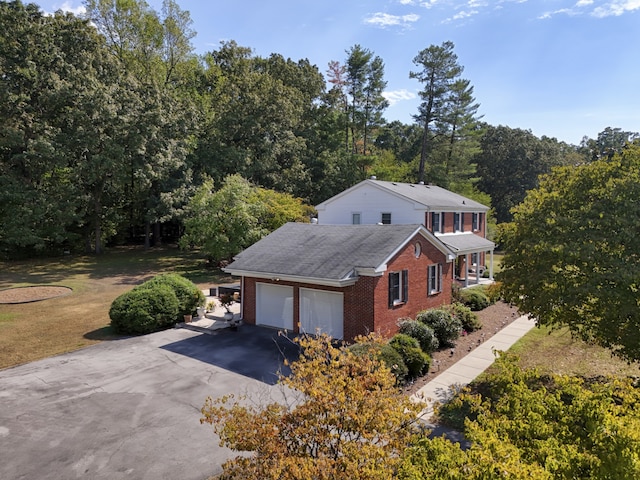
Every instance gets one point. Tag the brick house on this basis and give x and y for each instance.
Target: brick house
(457, 221)
(344, 280)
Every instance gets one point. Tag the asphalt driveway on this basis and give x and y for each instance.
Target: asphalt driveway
(130, 409)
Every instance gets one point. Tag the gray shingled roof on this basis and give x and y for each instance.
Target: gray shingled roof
(328, 252)
(466, 242)
(431, 196)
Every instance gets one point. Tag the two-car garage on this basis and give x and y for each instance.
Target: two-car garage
(319, 310)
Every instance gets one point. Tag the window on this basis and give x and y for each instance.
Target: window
(417, 249)
(386, 219)
(434, 279)
(398, 288)
(437, 222)
(474, 258)
(457, 222)
(355, 218)
(475, 222)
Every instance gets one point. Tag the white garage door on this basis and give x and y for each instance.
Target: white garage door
(321, 311)
(274, 305)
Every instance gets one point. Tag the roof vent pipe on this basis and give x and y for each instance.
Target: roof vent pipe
(420, 182)
(373, 177)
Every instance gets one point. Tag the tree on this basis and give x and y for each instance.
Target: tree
(525, 424)
(573, 252)
(347, 420)
(224, 222)
(609, 142)
(509, 163)
(439, 71)
(365, 84)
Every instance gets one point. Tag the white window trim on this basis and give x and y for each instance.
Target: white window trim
(438, 279)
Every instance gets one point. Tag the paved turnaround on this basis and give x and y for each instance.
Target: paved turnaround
(465, 370)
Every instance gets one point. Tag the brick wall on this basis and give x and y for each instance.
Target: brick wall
(386, 318)
(366, 303)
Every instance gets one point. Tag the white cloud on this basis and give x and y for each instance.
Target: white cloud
(386, 20)
(616, 8)
(406, 2)
(584, 3)
(428, 3)
(396, 96)
(464, 14)
(68, 7)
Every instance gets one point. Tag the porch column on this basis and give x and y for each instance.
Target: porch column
(466, 269)
(491, 265)
(477, 268)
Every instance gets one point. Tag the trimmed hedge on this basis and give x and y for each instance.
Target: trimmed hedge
(189, 295)
(155, 305)
(474, 298)
(144, 310)
(424, 334)
(469, 320)
(391, 358)
(417, 361)
(446, 327)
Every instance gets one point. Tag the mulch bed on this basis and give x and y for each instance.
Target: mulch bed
(33, 293)
(494, 318)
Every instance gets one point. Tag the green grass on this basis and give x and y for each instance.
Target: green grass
(31, 331)
(556, 351)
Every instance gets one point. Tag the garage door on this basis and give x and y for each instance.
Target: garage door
(321, 311)
(274, 305)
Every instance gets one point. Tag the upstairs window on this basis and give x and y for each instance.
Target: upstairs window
(458, 221)
(475, 221)
(398, 288)
(437, 222)
(355, 218)
(386, 219)
(434, 279)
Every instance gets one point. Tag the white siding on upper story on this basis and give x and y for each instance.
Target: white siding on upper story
(370, 202)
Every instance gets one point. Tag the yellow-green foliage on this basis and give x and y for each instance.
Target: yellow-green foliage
(350, 420)
(556, 427)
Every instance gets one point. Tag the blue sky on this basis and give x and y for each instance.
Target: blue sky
(561, 68)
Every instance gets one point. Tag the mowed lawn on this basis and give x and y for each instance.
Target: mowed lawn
(32, 331)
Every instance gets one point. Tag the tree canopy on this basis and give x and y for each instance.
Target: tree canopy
(573, 252)
(344, 419)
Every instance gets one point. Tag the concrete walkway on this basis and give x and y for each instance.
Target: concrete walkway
(463, 372)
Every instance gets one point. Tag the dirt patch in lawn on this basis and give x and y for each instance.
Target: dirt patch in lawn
(35, 293)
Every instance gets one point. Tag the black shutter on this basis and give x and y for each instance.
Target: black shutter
(462, 222)
(405, 286)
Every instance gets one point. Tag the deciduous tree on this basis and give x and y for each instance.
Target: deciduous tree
(573, 252)
(345, 419)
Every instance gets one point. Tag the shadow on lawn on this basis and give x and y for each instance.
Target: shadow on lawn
(254, 352)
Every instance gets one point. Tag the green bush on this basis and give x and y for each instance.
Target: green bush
(189, 295)
(469, 320)
(474, 298)
(391, 358)
(424, 334)
(446, 327)
(414, 358)
(144, 310)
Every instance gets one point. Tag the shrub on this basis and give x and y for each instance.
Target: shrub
(446, 327)
(415, 359)
(474, 298)
(424, 334)
(469, 320)
(494, 291)
(189, 295)
(391, 358)
(144, 310)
